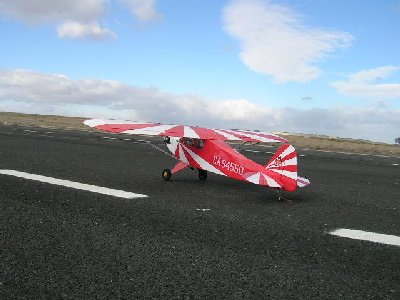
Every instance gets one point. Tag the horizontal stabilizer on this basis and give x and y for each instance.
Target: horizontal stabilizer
(302, 182)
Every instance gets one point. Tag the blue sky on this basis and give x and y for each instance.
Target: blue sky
(326, 67)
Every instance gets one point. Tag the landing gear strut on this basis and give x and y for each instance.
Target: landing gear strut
(167, 173)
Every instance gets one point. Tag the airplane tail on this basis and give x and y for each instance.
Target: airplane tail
(284, 164)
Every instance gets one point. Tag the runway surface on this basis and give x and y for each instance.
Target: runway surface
(188, 239)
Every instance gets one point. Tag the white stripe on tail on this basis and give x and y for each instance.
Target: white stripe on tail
(284, 164)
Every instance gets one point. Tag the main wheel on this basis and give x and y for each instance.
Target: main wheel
(202, 174)
(166, 174)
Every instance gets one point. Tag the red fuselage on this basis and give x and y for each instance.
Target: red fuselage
(218, 157)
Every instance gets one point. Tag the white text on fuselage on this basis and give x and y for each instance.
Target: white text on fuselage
(230, 166)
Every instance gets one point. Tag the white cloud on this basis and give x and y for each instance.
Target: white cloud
(365, 84)
(144, 10)
(77, 19)
(76, 30)
(42, 11)
(373, 74)
(276, 41)
(33, 92)
(74, 19)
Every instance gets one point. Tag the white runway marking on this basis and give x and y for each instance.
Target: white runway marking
(203, 209)
(27, 130)
(326, 151)
(74, 185)
(255, 151)
(368, 236)
(45, 135)
(395, 164)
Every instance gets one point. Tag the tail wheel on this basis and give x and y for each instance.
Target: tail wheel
(202, 174)
(166, 174)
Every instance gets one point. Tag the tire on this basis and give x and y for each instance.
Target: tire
(202, 175)
(166, 174)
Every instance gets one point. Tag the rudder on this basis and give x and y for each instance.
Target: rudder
(284, 164)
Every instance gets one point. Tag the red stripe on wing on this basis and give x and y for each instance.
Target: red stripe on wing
(176, 131)
(208, 134)
(238, 135)
(267, 136)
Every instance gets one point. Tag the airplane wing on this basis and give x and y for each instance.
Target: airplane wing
(142, 128)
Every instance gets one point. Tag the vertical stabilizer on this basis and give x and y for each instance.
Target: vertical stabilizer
(284, 164)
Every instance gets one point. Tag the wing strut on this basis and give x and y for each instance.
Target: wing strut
(159, 149)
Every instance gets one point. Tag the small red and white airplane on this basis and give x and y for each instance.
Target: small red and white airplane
(205, 150)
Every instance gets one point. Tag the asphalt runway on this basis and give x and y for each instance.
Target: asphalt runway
(189, 239)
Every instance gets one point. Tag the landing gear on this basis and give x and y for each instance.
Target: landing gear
(202, 175)
(166, 174)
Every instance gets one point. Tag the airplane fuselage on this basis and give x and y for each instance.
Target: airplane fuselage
(218, 157)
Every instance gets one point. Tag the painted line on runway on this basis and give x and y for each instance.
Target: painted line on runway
(69, 138)
(326, 151)
(395, 164)
(46, 135)
(349, 153)
(367, 236)
(255, 151)
(73, 185)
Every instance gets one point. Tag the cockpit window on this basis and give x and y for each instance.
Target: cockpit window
(200, 144)
(196, 143)
(190, 142)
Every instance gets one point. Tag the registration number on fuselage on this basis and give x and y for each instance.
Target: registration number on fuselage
(230, 166)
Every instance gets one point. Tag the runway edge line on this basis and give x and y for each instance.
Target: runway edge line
(74, 185)
(367, 236)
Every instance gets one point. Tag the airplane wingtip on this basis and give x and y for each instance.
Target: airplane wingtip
(93, 122)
